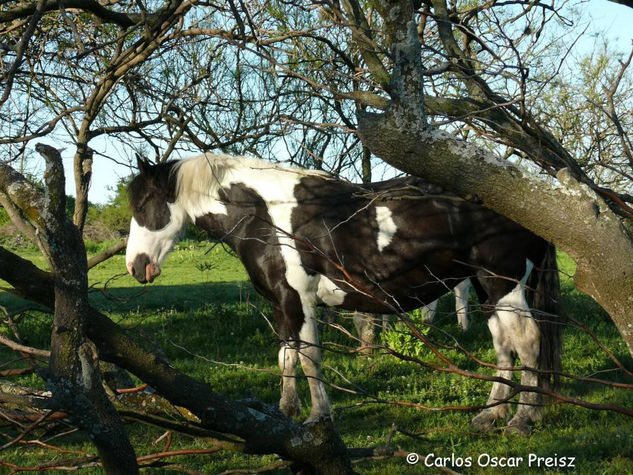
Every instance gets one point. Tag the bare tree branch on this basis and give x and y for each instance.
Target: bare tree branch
(26, 8)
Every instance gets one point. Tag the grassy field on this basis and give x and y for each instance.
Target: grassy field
(212, 325)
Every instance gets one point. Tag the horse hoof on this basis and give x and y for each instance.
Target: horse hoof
(316, 418)
(484, 421)
(518, 426)
(290, 408)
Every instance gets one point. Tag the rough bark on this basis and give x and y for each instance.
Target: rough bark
(83, 175)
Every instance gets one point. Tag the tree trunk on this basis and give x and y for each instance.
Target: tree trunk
(83, 175)
(74, 376)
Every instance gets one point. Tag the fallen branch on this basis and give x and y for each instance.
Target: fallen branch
(17, 372)
(137, 389)
(178, 453)
(107, 254)
(65, 465)
(267, 468)
(23, 348)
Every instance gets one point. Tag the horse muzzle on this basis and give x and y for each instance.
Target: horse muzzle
(143, 269)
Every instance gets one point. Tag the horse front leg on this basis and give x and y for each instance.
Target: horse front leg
(310, 357)
(288, 357)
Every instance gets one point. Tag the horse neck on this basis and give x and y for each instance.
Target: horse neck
(205, 176)
(199, 181)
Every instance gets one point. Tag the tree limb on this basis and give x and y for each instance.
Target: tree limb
(626, 3)
(25, 9)
(107, 254)
(22, 348)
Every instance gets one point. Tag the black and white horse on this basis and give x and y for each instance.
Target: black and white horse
(307, 239)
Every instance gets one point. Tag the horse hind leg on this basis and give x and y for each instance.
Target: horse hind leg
(498, 400)
(365, 329)
(461, 303)
(515, 332)
(429, 311)
(525, 335)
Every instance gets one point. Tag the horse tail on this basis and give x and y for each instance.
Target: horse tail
(546, 290)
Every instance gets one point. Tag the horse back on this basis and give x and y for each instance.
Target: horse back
(402, 242)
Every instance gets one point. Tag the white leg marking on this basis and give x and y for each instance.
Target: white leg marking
(288, 358)
(524, 334)
(505, 359)
(503, 347)
(461, 303)
(364, 329)
(386, 227)
(310, 356)
(429, 311)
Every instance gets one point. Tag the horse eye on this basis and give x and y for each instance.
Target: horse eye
(141, 205)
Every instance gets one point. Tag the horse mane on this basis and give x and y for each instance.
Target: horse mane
(205, 174)
(199, 175)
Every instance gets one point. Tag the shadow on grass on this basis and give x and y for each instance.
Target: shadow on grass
(186, 297)
(224, 321)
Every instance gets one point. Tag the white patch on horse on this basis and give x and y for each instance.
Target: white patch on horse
(515, 301)
(329, 293)
(158, 243)
(386, 227)
(461, 302)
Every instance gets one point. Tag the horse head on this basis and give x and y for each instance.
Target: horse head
(157, 219)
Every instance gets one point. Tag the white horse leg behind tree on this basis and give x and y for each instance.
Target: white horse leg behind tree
(366, 326)
(461, 291)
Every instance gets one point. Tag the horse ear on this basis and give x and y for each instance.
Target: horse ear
(143, 164)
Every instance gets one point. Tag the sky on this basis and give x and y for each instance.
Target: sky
(609, 20)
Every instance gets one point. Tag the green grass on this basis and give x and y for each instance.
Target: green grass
(203, 312)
